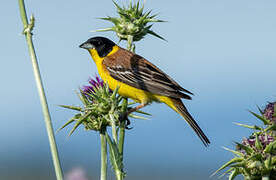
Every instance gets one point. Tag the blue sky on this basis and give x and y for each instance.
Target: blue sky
(222, 51)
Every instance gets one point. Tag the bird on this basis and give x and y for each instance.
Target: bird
(139, 79)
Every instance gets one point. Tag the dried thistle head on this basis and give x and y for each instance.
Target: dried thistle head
(132, 21)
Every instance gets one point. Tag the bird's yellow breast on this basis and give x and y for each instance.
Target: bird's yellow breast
(125, 90)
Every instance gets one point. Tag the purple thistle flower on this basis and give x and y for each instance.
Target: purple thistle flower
(249, 141)
(94, 84)
(87, 89)
(269, 112)
(264, 139)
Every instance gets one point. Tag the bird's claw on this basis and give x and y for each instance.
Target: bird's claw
(124, 117)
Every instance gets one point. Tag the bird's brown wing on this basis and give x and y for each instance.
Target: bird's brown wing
(136, 71)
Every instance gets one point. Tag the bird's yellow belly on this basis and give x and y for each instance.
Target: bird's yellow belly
(125, 90)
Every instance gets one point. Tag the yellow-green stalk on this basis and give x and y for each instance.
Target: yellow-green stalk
(28, 27)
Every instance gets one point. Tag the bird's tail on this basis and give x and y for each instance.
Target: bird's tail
(178, 106)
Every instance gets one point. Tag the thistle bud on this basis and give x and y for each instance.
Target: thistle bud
(132, 21)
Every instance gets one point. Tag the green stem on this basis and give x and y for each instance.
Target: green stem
(103, 155)
(28, 34)
(122, 129)
(118, 172)
(130, 47)
(118, 175)
(113, 125)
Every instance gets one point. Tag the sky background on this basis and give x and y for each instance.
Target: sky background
(222, 51)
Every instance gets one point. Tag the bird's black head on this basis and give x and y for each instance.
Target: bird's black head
(101, 44)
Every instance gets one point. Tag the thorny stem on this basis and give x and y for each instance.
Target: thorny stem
(103, 155)
(28, 34)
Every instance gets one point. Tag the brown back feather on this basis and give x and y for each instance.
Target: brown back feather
(136, 71)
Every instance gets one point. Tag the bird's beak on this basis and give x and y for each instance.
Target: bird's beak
(87, 45)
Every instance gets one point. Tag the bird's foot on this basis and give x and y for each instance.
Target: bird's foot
(124, 119)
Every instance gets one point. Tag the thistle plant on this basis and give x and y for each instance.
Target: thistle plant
(255, 156)
(102, 108)
(133, 23)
